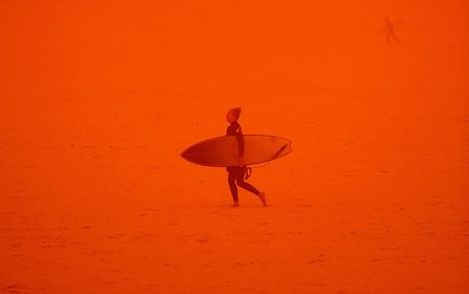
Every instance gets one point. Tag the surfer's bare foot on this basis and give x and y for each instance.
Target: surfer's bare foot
(235, 204)
(263, 198)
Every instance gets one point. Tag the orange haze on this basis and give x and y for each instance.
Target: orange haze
(98, 98)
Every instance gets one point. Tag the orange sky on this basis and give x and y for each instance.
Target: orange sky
(210, 46)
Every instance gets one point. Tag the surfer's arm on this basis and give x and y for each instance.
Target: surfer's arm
(240, 137)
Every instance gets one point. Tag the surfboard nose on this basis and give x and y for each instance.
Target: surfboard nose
(285, 149)
(289, 148)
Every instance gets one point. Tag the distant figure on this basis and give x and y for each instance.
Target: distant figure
(390, 31)
(236, 174)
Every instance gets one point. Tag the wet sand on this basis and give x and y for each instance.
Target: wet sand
(95, 198)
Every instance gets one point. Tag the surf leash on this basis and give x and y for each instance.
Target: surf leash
(267, 162)
(248, 172)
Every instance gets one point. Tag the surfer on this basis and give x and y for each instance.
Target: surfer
(390, 31)
(237, 174)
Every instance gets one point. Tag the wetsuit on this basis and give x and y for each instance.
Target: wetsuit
(236, 173)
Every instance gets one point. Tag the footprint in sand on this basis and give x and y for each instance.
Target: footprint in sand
(203, 239)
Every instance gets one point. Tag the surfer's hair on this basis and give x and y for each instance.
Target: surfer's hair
(236, 111)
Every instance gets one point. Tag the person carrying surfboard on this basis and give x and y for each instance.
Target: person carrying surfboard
(390, 31)
(236, 174)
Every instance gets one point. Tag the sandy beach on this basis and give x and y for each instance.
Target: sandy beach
(98, 101)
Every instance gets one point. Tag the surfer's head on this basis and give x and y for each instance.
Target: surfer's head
(233, 114)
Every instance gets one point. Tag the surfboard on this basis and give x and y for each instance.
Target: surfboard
(224, 150)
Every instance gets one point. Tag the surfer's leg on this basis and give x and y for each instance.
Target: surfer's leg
(233, 188)
(245, 185)
(248, 187)
(252, 189)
